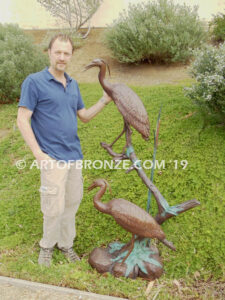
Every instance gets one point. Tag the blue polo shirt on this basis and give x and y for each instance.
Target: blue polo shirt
(54, 118)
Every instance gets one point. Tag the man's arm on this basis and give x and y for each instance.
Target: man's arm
(23, 123)
(85, 115)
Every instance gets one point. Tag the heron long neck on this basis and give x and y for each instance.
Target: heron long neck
(102, 207)
(101, 76)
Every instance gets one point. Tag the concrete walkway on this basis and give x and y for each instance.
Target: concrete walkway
(17, 289)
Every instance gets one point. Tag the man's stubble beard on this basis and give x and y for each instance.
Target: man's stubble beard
(61, 69)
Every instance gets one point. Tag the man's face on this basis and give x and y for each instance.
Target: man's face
(60, 55)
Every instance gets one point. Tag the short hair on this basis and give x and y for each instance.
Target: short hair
(62, 37)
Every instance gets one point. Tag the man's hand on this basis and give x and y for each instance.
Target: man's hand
(86, 115)
(106, 97)
(40, 156)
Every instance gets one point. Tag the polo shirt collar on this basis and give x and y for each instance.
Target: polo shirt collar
(49, 76)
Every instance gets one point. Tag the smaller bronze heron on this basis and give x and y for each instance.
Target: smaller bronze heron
(129, 216)
(127, 102)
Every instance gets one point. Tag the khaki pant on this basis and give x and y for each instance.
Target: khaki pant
(61, 193)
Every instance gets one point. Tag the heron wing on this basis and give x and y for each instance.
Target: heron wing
(134, 219)
(131, 108)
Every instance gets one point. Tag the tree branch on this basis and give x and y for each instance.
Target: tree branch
(165, 211)
(76, 12)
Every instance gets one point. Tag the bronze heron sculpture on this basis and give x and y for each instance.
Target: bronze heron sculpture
(127, 102)
(129, 216)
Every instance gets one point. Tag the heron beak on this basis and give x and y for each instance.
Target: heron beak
(91, 187)
(91, 65)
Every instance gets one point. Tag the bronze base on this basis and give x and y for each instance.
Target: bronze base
(144, 261)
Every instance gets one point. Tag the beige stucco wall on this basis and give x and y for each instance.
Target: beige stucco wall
(30, 14)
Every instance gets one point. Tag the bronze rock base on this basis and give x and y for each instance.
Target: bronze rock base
(144, 260)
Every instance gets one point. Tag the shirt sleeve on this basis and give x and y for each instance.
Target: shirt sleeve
(29, 94)
(80, 103)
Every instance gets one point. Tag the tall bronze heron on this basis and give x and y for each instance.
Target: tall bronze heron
(129, 216)
(126, 100)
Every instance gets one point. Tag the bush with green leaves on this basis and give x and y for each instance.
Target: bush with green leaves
(158, 31)
(75, 36)
(217, 26)
(209, 71)
(18, 58)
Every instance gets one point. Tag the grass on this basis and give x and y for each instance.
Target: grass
(195, 271)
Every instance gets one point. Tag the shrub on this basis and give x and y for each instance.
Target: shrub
(157, 31)
(18, 58)
(209, 71)
(217, 26)
(75, 36)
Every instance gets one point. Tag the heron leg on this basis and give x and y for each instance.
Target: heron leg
(131, 248)
(119, 156)
(119, 136)
(128, 132)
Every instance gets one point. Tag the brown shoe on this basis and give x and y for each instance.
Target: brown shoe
(70, 254)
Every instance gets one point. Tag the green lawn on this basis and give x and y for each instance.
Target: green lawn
(198, 234)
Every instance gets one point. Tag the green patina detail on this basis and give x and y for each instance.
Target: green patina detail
(115, 247)
(129, 150)
(136, 162)
(156, 133)
(173, 210)
(141, 253)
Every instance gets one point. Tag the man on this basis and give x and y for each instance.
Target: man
(51, 100)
